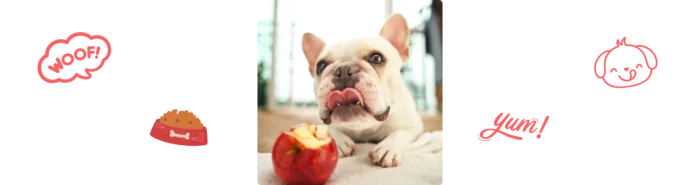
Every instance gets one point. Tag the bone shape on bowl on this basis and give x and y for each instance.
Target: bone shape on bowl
(184, 136)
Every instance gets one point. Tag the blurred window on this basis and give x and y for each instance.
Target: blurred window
(263, 47)
(265, 21)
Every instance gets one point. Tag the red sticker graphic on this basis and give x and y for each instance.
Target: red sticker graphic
(180, 128)
(188, 138)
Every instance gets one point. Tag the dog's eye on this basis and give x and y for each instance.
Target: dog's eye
(613, 69)
(639, 65)
(320, 66)
(375, 58)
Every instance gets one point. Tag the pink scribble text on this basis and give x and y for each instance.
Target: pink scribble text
(506, 125)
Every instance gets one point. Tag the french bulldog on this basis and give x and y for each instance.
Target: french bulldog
(361, 93)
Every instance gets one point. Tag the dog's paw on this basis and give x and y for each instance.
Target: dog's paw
(345, 145)
(385, 155)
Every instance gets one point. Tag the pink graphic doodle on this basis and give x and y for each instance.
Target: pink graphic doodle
(75, 57)
(506, 121)
(625, 65)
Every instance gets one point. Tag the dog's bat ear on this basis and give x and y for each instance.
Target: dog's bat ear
(312, 46)
(600, 64)
(395, 30)
(650, 56)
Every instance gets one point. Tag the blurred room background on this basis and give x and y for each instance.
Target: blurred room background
(285, 87)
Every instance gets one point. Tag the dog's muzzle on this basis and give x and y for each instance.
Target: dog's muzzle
(345, 100)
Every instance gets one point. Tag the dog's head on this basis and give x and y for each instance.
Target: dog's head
(625, 65)
(353, 78)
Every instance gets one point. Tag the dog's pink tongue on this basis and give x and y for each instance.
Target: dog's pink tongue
(348, 96)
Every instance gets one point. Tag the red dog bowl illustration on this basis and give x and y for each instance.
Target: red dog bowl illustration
(180, 128)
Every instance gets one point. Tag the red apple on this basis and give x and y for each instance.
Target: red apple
(305, 155)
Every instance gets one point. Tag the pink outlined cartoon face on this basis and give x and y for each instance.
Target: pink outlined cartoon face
(633, 72)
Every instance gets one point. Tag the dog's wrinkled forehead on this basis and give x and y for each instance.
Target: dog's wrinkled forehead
(356, 50)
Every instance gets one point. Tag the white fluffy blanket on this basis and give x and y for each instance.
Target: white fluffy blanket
(421, 165)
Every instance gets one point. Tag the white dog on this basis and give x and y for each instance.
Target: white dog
(361, 93)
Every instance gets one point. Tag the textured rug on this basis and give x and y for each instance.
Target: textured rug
(421, 165)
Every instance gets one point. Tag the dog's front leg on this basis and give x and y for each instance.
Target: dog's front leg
(388, 152)
(345, 145)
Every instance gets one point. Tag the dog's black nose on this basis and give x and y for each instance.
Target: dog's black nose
(343, 72)
(344, 77)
